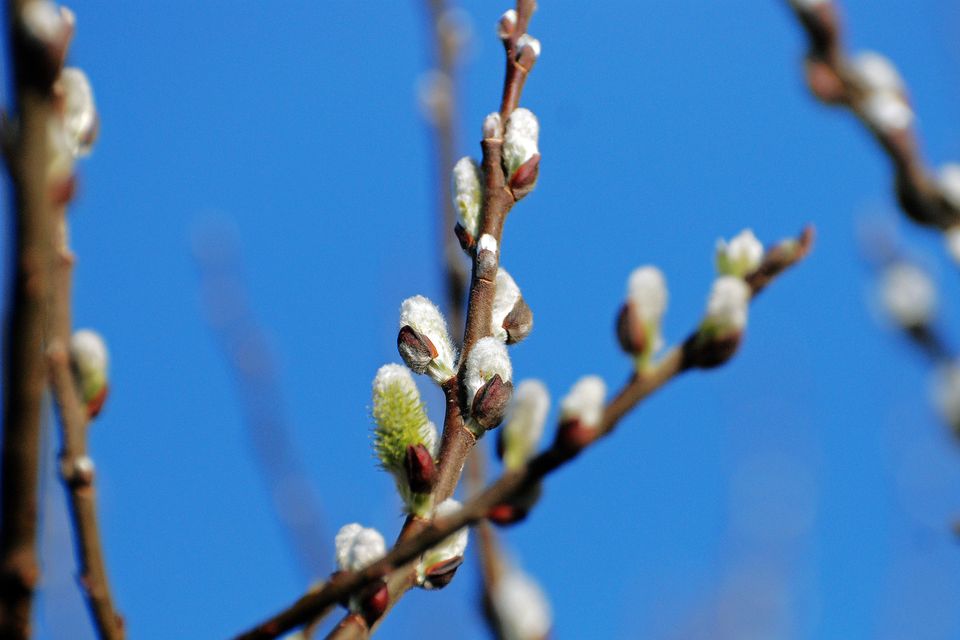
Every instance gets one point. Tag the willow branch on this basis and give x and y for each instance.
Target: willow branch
(832, 80)
(24, 369)
(514, 482)
(489, 553)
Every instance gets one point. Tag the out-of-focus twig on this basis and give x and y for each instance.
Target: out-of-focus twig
(296, 504)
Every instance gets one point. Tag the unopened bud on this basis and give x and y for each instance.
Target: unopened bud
(512, 319)
(429, 334)
(506, 24)
(521, 608)
(908, 295)
(741, 256)
(420, 468)
(492, 127)
(517, 508)
(488, 370)
(524, 179)
(638, 325)
(80, 122)
(722, 328)
(467, 199)
(526, 40)
(528, 414)
(437, 565)
(887, 112)
(358, 547)
(50, 28)
(90, 363)
(373, 601)
(581, 411)
(876, 73)
(520, 140)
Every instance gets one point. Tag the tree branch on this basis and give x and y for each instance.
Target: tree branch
(513, 483)
(831, 79)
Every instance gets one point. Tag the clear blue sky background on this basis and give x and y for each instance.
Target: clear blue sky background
(804, 491)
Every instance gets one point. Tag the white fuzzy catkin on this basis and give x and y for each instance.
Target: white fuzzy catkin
(452, 546)
(358, 547)
(728, 303)
(394, 374)
(506, 296)
(89, 354)
(80, 116)
(506, 23)
(647, 293)
(908, 294)
(421, 315)
(521, 606)
(526, 419)
(875, 72)
(948, 180)
(740, 256)
(526, 40)
(488, 358)
(520, 139)
(584, 402)
(468, 194)
(492, 127)
(887, 111)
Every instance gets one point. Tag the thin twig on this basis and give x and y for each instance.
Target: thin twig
(24, 368)
(513, 483)
(831, 79)
(488, 551)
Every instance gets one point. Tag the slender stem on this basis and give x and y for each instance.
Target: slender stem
(24, 369)
(831, 80)
(512, 483)
(489, 554)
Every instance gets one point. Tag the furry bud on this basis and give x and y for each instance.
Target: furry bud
(638, 325)
(507, 23)
(467, 199)
(90, 363)
(512, 318)
(908, 295)
(521, 608)
(741, 256)
(487, 381)
(429, 333)
(887, 112)
(437, 565)
(581, 411)
(520, 141)
(722, 327)
(80, 121)
(528, 414)
(358, 547)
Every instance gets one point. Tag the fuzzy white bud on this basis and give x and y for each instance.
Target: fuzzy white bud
(90, 360)
(875, 73)
(948, 180)
(358, 547)
(468, 194)
(727, 305)
(507, 23)
(450, 547)
(887, 111)
(524, 427)
(47, 22)
(952, 238)
(584, 402)
(739, 257)
(421, 315)
(526, 40)
(80, 113)
(487, 243)
(520, 139)
(394, 375)
(492, 127)
(521, 607)
(647, 293)
(908, 294)
(506, 296)
(487, 358)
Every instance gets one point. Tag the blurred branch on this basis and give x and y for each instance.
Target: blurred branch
(489, 553)
(246, 349)
(874, 94)
(24, 371)
(513, 484)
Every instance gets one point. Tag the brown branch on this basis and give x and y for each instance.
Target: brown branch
(489, 554)
(830, 79)
(24, 369)
(513, 483)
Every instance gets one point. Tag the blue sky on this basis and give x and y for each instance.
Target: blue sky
(803, 491)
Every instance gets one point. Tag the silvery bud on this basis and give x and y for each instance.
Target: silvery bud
(438, 565)
(741, 256)
(512, 318)
(80, 121)
(638, 325)
(423, 341)
(521, 155)
(358, 547)
(722, 327)
(908, 295)
(90, 363)
(467, 200)
(527, 416)
(581, 411)
(521, 608)
(488, 382)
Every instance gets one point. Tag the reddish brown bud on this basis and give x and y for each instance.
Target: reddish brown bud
(712, 351)
(416, 349)
(421, 469)
(490, 402)
(516, 509)
(374, 601)
(519, 322)
(824, 82)
(467, 241)
(573, 436)
(525, 177)
(439, 575)
(630, 331)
